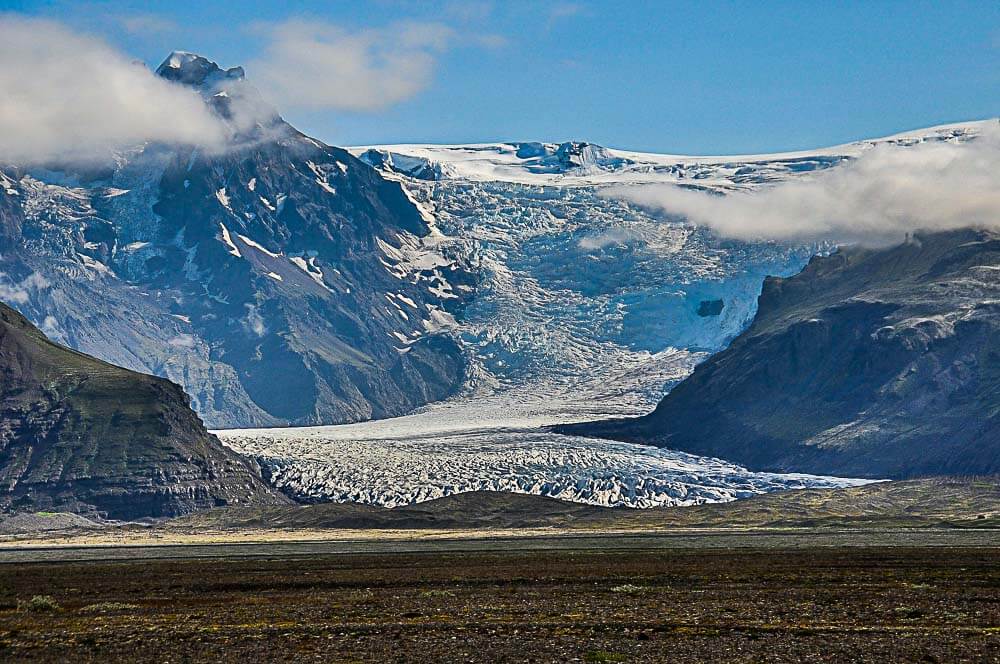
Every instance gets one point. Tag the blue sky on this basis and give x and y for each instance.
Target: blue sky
(703, 78)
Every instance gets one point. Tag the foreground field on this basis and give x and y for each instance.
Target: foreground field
(866, 603)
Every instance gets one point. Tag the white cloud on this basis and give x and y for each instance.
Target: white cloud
(562, 10)
(20, 292)
(614, 236)
(887, 192)
(254, 321)
(52, 329)
(182, 341)
(316, 65)
(72, 97)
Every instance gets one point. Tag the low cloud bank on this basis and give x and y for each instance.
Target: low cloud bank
(876, 199)
(71, 97)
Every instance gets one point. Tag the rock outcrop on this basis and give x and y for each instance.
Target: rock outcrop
(81, 435)
(869, 363)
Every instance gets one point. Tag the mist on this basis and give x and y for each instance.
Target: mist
(71, 97)
(875, 199)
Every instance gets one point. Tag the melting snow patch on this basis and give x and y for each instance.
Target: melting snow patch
(309, 267)
(402, 337)
(250, 243)
(439, 320)
(97, 266)
(228, 240)
(424, 213)
(407, 300)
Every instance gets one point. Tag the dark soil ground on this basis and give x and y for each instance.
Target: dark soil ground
(860, 604)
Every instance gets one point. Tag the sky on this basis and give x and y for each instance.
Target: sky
(686, 78)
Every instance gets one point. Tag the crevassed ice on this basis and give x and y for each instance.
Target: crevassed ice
(588, 307)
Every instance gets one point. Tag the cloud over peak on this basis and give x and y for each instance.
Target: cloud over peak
(71, 97)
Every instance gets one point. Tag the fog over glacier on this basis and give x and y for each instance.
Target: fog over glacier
(885, 193)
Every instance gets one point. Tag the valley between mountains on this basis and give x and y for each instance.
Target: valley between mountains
(392, 324)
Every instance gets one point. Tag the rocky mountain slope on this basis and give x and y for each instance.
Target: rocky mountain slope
(869, 363)
(78, 434)
(279, 281)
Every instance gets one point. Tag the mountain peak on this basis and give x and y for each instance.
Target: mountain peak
(194, 69)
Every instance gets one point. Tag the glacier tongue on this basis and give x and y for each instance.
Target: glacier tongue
(496, 444)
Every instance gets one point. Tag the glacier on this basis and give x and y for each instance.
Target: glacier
(586, 307)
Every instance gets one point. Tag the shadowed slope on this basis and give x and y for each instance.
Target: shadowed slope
(78, 434)
(869, 363)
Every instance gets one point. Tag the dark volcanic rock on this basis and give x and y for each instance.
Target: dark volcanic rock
(78, 434)
(869, 363)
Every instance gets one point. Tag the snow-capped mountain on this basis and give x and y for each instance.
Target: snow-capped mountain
(279, 281)
(581, 164)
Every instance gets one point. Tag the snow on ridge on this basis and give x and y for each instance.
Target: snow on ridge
(228, 241)
(250, 243)
(499, 162)
(223, 198)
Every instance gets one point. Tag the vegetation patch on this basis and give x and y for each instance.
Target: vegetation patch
(38, 604)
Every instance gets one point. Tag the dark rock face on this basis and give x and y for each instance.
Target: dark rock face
(869, 363)
(282, 281)
(81, 435)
